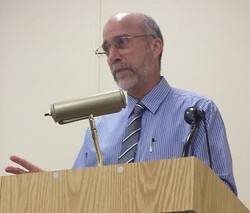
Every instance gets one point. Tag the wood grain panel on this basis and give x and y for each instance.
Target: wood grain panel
(177, 185)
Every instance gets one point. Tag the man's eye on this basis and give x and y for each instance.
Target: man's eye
(121, 41)
(105, 47)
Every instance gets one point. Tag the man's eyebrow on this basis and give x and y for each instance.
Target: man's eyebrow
(105, 42)
(122, 35)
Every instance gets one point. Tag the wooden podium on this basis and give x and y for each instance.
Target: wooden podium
(176, 185)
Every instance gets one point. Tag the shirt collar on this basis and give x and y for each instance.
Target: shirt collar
(153, 99)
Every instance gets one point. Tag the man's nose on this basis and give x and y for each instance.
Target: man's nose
(114, 55)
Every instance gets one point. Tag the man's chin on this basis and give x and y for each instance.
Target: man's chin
(124, 84)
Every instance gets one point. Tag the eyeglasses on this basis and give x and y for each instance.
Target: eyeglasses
(119, 42)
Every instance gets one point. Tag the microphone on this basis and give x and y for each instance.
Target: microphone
(193, 116)
(75, 110)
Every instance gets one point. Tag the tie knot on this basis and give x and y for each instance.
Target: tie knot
(139, 108)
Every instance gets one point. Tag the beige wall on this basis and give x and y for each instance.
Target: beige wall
(46, 55)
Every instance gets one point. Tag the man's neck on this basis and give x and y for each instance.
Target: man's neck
(144, 88)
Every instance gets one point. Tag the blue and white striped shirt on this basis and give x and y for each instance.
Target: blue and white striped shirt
(163, 132)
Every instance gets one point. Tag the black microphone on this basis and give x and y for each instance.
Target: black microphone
(193, 116)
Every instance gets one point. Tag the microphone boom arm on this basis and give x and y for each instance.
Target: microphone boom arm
(188, 140)
(95, 139)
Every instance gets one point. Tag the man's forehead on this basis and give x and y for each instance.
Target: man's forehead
(120, 26)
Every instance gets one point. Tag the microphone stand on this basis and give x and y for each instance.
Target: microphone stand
(95, 139)
(188, 140)
(193, 116)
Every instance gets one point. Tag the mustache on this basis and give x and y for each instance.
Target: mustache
(118, 67)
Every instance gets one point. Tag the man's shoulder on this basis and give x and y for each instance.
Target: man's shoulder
(189, 95)
(184, 99)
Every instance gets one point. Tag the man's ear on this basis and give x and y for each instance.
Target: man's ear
(157, 47)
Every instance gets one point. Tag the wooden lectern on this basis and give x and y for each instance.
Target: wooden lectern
(176, 185)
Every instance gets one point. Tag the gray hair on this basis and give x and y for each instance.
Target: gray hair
(150, 26)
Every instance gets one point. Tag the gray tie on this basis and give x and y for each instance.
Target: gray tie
(132, 135)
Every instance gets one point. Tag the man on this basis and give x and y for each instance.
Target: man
(133, 44)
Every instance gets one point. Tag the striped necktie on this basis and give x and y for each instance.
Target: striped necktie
(129, 144)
